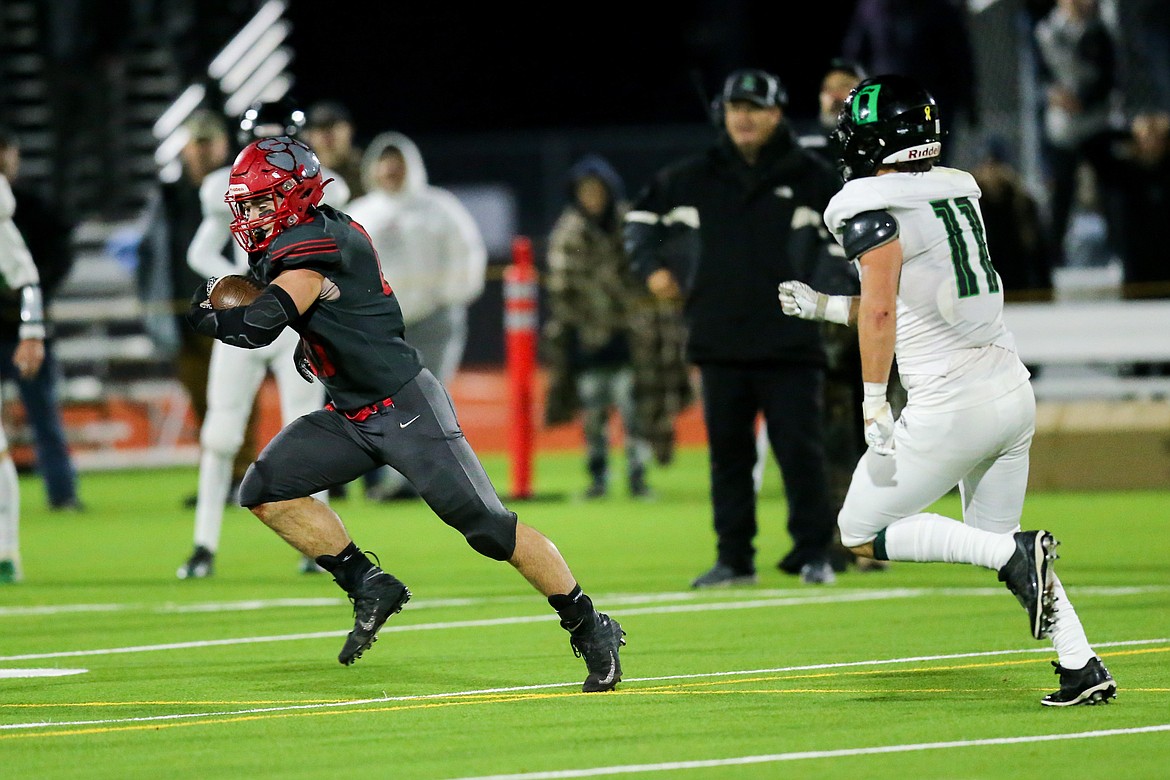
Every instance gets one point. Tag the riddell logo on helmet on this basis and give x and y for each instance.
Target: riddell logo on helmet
(922, 152)
(237, 189)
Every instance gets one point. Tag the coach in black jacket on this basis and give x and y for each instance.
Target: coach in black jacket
(721, 230)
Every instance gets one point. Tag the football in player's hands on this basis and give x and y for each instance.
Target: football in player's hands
(233, 290)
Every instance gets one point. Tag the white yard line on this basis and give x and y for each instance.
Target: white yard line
(802, 755)
(828, 596)
(609, 599)
(11, 673)
(543, 686)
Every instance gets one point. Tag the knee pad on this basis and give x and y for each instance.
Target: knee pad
(223, 439)
(852, 534)
(491, 535)
(254, 486)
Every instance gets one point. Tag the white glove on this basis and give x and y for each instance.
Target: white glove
(879, 419)
(797, 299)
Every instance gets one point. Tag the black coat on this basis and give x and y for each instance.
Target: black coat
(731, 233)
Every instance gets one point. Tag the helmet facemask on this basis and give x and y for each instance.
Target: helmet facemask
(285, 171)
(257, 233)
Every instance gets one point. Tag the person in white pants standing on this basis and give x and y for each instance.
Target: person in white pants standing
(235, 374)
(20, 275)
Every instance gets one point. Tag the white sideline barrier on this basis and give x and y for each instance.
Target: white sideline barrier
(1079, 346)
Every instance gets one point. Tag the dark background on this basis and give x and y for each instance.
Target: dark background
(430, 69)
(498, 95)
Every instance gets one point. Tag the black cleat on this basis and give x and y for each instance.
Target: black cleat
(1091, 684)
(201, 564)
(599, 646)
(1029, 575)
(379, 596)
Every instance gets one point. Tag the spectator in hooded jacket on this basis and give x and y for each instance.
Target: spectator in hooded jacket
(432, 253)
(591, 294)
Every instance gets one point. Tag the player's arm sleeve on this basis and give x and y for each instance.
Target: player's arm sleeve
(257, 324)
(205, 255)
(867, 231)
(18, 269)
(16, 264)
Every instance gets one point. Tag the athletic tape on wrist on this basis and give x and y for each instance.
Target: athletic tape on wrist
(873, 399)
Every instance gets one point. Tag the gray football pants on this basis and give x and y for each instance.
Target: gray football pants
(417, 435)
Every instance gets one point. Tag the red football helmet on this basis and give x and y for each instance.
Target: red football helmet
(282, 169)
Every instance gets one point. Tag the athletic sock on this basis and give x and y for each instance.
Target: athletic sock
(1068, 635)
(927, 538)
(348, 567)
(574, 609)
(215, 483)
(9, 510)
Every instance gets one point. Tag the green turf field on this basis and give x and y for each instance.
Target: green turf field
(921, 671)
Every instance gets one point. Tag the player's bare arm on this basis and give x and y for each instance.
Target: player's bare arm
(881, 269)
(303, 286)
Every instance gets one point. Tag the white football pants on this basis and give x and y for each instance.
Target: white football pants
(9, 506)
(983, 449)
(233, 380)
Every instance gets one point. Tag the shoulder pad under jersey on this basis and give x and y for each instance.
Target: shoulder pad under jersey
(868, 230)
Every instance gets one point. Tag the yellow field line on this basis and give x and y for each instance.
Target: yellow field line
(680, 689)
(891, 671)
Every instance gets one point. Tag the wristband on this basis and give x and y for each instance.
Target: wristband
(873, 399)
(834, 309)
(32, 313)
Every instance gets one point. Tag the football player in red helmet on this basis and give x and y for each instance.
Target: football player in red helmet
(273, 183)
(325, 283)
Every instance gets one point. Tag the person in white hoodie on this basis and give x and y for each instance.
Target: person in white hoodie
(433, 253)
(19, 273)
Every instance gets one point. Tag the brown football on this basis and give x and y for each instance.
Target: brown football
(233, 290)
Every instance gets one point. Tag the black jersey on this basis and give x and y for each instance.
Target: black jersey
(353, 336)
